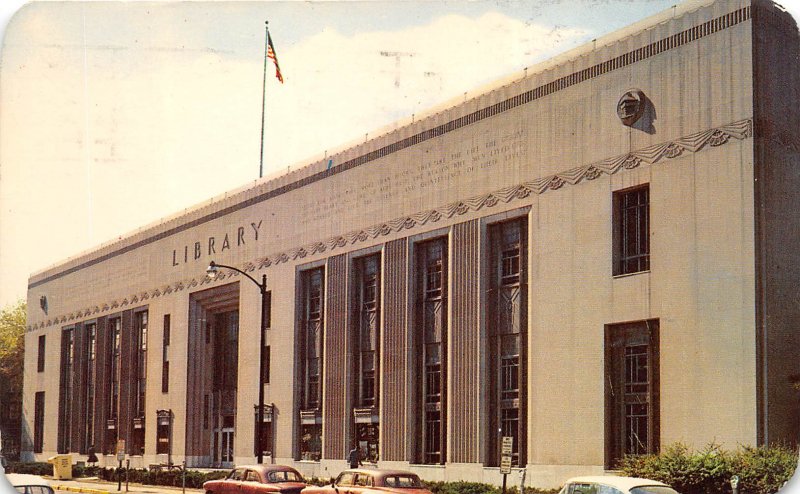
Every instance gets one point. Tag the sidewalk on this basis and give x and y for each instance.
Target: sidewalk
(96, 486)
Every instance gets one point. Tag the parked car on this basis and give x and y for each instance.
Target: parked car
(28, 484)
(258, 479)
(608, 484)
(368, 481)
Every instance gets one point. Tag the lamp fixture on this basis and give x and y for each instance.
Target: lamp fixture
(212, 270)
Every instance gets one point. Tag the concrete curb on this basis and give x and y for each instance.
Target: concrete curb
(109, 488)
(83, 490)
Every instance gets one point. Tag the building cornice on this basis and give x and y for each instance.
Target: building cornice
(657, 153)
(319, 171)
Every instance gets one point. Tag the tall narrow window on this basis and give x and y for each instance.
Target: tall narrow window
(206, 410)
(367, 354)
(163, 432)
(313, 338)
(267, 324)
(38, 421)
(632, 390)
(267, 438)
(507, 326)
(140, 341)
(265, 378)
(90, 349)
(66, 390)
(311, 361)
(114, 373)
(165, 355)
(431, 336)
(41, 355)
(632, 230)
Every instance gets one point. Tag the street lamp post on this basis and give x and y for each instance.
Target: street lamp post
(212, 273)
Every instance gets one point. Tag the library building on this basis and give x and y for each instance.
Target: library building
(596, 257)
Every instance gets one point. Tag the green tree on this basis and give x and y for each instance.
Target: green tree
(12, 347)
(12, 342)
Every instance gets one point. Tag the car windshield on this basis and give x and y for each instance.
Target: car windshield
(402, 481)
(284, 476)
(653, 489)
(34, 489)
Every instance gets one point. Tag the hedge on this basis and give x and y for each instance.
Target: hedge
(32, 468)
(194, 478)
(761, 470)
(479, 488)
(172, 477)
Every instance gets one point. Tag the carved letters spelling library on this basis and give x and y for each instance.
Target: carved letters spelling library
(596, 258)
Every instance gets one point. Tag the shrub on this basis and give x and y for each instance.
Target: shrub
(764, 470)
(318, 481)
(479, 488)
(461, 488)
(172, 477)
(761, 470)
(32, 468)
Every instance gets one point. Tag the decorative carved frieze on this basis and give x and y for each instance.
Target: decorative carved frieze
(656, 153)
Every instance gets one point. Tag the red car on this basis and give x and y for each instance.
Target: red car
(368, 481)
(258, 479)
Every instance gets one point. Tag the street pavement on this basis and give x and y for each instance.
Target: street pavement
(96, 486)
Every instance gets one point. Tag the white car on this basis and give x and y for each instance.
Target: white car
(609, 484)
(28, 484)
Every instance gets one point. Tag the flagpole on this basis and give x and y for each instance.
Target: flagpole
(263, 99)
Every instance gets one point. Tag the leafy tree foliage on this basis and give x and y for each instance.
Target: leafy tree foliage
(12, 345)
(12, 341)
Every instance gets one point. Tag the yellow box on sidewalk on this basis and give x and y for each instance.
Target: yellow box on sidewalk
(62, 466)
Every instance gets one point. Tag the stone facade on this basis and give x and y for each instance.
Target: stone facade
(504, 296)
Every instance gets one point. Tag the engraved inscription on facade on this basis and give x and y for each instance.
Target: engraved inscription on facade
(481, 155)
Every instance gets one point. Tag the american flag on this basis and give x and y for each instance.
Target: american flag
(271, 55)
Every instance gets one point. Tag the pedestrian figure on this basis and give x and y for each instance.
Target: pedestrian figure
(92, 459)
(354, 458)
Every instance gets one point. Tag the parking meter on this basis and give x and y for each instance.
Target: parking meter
(735, 484)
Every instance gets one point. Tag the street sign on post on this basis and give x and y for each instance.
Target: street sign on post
(508, 445)
(120, 457)
(505, 465)
(120, 449)
(506, 449)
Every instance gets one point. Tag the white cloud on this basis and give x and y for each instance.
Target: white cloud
(338, 88)
(106, 130)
